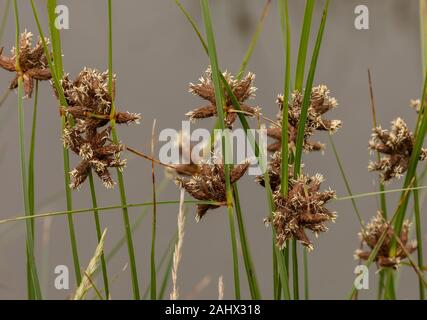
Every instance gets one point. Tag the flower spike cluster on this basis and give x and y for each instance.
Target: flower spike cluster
(31, 65)
(89, 104)
(303, 208)
(370, 236)
(242, 89)
(274, 172)
(396, 146)
(208, 184)
(320, 103)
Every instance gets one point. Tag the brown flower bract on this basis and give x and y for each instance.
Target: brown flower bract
(303, 208)
(32, 64)
(320, 103)
(396, 146)
(208, 184)
(370, 236)
(242, 89)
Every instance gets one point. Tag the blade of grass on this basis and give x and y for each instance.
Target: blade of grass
(381, 239)
(99, 235)
(31, 195)
(423, 33)
(307, 92)
(418, 227)
(86, 283)
(4, 18)
(219, 97)
(383, 199)
(249, 265)
(153, 275)
(63, 102)
(166, 277)
(108, 208)
(33, 284)
(166, 256)
(131, 251)
(303, 46)
(411, 172)
(134, 227)
(254, 40)
(286, 34)
(306, 101)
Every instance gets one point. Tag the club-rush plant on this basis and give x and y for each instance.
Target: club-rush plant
(295, 200)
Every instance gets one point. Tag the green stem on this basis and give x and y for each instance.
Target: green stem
(303, 46)
(418, 229)
(295, 269)
(34, 291)
(219, 97)
(126, 222)
(249, 266)
(286, 33)
(254, 40)
(153, 275)
(4, 19)
(99, 235)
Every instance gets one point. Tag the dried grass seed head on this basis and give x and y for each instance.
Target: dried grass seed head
(370, 236)
(274, 172)
(88, 99)
(320, 103)
(97, 154)
(208, 184)
(395, 146)
(32, 64)
(242, 89)
(303, 208)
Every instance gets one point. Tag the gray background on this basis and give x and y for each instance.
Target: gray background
(156, 54)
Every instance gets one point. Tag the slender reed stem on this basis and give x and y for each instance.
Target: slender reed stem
(219, 96)
(254, 40)
(56, 74)
(418, 230)
(4, 18)
(153, 276)
(249, 266)
(131, 251)
(99, 235)
(286, 33)
(33, 284)
(423, 33)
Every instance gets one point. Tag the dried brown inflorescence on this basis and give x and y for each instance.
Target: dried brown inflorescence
(370, 236)
(90, 105)
(303, 208)
(320, 103)
(89, 101)
(242, 89)
(208, 184)
(274, 172)
(31, 65)
(96, 153)
(396, 146)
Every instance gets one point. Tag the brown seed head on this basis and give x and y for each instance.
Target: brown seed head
(320, 103)
(370, 236)
(208, 184)
(303, 208)
(33, 64)
(242, 89)
(396, 148)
